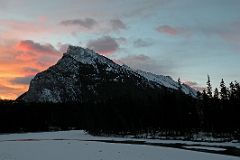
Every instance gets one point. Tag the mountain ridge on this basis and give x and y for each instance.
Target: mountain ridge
(83, 75)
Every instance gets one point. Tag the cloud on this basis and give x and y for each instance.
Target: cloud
(93, 25)
(8, 92)
(86, 23)
(22, 80)
(121, 40)
(136, 58)
(5, 88)
(194, 85)
(30, 70)
(29, 45)
(137, 61)
(146, 63)
(226, 31)
(105, 45)
(117, 24)
(167, 30)
(19, 61)
(17, 29)
(142, 43)
(230, 33)
(62, 47)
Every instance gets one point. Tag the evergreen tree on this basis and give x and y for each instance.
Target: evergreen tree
(216, 94)
(232, 91)
(204, 95)
(237, 87)
(179, 84)
(199, 95)
(209, 87)
(223, 90)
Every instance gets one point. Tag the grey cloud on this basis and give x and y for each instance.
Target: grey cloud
(62, 47)
(22, 80)
(86, 23)
(37, 47)
(121, 40)
(31, 70)
(104, 45)
(146, 63)
(142, 43)
(117, 24)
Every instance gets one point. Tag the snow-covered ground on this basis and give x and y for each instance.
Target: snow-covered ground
(71, 145)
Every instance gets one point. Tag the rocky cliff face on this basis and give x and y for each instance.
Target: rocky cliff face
(82, 75)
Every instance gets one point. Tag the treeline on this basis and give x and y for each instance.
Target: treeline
(165, 111)
(221, 107)
(135, 114)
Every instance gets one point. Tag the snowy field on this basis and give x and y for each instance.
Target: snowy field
(77, 145)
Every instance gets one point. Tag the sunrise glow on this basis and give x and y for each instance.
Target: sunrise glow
(158, 36)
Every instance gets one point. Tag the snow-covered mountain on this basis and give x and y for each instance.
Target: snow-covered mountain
(168, 82)
(82, 75)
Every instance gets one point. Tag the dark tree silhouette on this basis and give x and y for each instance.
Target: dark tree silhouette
(223, 90)
(216, 94)
(209, 87)
(179, 84)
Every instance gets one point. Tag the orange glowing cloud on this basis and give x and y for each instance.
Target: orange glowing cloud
(20, 61)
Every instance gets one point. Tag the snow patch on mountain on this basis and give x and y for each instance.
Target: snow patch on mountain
(87, 56)
(168, 82)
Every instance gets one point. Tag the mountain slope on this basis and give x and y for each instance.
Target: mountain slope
(168, 82)
(82, 75)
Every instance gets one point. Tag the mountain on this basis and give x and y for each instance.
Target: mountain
(82, 75)
(168, 82)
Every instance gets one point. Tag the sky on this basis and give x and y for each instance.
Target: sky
(189, 39)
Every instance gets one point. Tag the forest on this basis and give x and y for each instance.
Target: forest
(170, 112)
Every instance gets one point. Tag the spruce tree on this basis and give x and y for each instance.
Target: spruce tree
(237, 87)
(216, 94)
(232, 91)
(209, 87)
(223, 90)
(179, 84)
(204, 95)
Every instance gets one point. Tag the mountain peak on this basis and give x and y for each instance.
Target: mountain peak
(87, 56)
(83, 75)
(81, 54)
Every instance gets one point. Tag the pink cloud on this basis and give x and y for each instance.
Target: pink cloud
(19, 61)
(31, 46)
(20, 29)
(170, 30)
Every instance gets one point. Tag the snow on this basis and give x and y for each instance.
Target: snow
(205, 148)
(167, 81)
(212, 144)
(87, 56)
(66, 71)
(74, 145)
